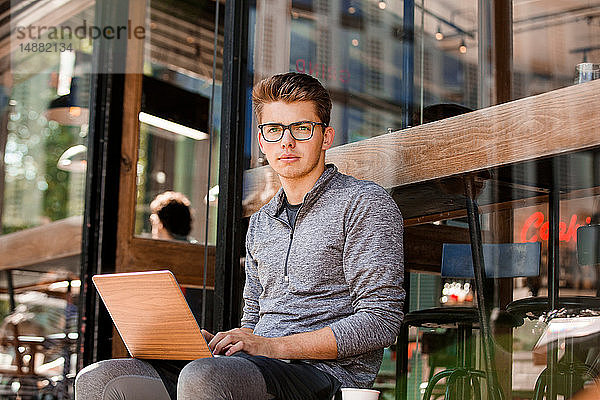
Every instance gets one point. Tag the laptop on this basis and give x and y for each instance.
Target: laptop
(152, 316)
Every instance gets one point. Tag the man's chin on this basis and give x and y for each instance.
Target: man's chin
(289, 171)
(289, 174)
(295, 170)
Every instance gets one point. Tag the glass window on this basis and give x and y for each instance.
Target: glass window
(529, 167)
(180, 123)
(44, 120)
(549, 40)
(446, 67)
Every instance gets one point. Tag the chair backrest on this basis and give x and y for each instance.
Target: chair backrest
(502, 260)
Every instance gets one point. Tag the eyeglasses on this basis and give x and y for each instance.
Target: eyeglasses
(301, 130)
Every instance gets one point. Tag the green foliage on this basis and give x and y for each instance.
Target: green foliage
(56, 198)
(14, 228)
(4, 309)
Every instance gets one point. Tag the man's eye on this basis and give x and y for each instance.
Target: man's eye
(274, 129)
(304, 127)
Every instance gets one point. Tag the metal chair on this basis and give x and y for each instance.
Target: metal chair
(501, 261)
(462, 375)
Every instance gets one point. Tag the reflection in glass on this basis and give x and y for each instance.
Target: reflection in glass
(44, 115)
(171, 217)
(180, 113)
(550, 40)
(171, 161)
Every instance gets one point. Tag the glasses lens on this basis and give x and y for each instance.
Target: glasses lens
(302, 130)
(272, 131)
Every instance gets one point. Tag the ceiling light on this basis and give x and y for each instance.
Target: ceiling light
(74, 159)
(172, 126)
(439, 35)
(463, 47)
(69, 109)
(65, 74)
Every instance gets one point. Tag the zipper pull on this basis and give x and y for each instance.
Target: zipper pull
(286, 278)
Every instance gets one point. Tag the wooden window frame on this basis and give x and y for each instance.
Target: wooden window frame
(133, 253)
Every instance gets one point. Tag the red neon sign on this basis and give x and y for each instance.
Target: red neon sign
(535, 229)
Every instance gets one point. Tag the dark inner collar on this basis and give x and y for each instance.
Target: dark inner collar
(290, 206)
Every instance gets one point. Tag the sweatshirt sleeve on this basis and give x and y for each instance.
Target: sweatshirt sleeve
(252, 287)
(374, 270)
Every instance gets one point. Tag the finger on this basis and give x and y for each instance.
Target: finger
(220, 335)
(207, 335)
(216, 339)
(239, 346)
(227, 340)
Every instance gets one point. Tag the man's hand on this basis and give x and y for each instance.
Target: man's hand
(239, 339)
(316, 345)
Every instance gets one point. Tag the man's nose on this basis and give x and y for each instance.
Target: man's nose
(287, 140)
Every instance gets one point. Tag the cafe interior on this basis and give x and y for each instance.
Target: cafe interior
(480, 118)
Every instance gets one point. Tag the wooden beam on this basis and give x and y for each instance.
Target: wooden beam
(551, 123)
(41, 244)
(185, 260)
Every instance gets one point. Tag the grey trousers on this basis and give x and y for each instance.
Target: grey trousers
(229, 378)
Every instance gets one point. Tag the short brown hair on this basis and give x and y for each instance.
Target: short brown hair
(173, 210)
(292, 87)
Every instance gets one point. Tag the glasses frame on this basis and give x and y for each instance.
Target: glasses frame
(289, 127)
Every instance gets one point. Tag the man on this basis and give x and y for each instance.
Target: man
(171, 217)
(324, 271)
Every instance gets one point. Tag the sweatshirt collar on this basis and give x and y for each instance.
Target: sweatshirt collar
(277, 203)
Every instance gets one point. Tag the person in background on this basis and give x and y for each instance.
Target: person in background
(171, 216)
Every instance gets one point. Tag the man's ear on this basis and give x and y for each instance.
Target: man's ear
(260, 143)
(328, 136)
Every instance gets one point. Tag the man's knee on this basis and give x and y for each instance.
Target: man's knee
(198, 374)
(93, 381)
(221, 378)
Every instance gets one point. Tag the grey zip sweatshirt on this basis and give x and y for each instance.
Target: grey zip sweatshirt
(341, 266)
